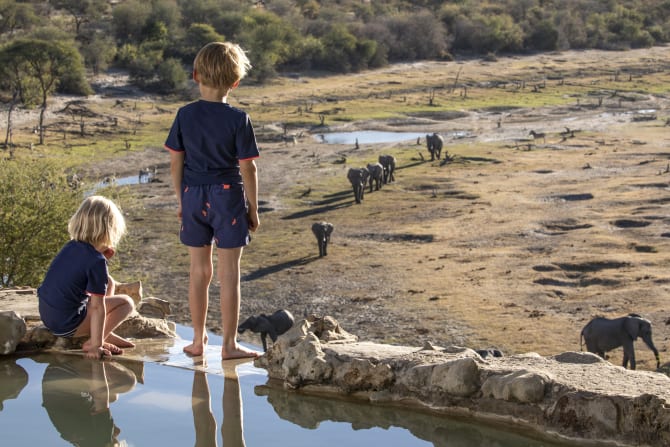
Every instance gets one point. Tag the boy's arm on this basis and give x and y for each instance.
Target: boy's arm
(177, 174)
(96, 310)
(250, 180)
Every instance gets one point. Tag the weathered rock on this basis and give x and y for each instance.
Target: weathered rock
(154, 307)
(138, 326)
(34, 336)
(577, 395)
(521, 386)
(12, 330)
(132, 289)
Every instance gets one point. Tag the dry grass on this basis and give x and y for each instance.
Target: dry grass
(514, 244)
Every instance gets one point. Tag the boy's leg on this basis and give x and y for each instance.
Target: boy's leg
(198, 296)
(228, 272)
(118, 307)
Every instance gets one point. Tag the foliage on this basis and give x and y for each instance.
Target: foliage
(341, 36)
(35, 205)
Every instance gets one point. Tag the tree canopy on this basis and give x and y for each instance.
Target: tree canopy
(150, 37)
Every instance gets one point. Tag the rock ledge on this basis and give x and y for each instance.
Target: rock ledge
(573, 394)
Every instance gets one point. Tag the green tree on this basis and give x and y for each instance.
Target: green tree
(82, 11)
(14, 16)
(129, 20)
(197, 35)
(44, 64)
(269, 41)
(35, 205)
(98, 52)
(171, 76)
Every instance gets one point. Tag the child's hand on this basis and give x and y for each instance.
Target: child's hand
(252, 219)
(109, 252)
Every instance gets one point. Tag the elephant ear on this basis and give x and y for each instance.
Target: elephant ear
(632, 326)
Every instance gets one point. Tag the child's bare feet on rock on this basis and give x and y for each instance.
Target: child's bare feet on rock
(119, 341)
(239, 352)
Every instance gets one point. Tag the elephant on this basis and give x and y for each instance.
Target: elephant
(603, 334)
(273, 325)
(434, 143)
(376, 171)
(322, 231)
(358, 177)
(388, 163)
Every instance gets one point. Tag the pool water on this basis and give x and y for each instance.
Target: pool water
(65, 399)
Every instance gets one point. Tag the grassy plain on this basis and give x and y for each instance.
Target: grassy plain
(515, 243)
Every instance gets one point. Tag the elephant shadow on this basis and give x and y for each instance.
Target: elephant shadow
(259, 273)
(333, 202)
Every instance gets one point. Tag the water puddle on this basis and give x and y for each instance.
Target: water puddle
(62, 399)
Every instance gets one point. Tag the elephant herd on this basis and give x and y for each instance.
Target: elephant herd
(374, 174)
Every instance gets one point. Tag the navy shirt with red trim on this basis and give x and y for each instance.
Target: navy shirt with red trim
(77, 271)
(214, 137)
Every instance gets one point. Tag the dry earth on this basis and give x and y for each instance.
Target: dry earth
(515, 244)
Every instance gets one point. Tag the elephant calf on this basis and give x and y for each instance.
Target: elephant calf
(273, 325)
(434, 143)
(322, 231)
(603, 334)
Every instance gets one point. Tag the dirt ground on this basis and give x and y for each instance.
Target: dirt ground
(516, 243)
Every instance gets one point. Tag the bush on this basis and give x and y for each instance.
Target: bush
(36, 203)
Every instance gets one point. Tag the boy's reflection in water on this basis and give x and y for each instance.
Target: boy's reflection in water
(232, 432)
(76, 393)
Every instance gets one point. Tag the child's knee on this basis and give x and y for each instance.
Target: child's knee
(126, 303)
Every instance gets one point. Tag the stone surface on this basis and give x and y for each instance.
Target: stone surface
(12, 329)
(574, 394)
(21, 328)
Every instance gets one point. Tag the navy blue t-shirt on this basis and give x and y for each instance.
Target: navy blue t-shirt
(77, 271)
(214, 136)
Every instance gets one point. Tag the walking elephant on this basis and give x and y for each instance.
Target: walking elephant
(434, 142)
(376, 171)
(273, 325)
(358, 177)
(604, 334)
(388, 163)
(322, 231)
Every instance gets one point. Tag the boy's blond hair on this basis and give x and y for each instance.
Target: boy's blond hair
(220, 65)
(99, 222)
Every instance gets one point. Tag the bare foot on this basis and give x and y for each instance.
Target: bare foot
(112, 348)
(239, 352)
(194, 349)
(119, 341)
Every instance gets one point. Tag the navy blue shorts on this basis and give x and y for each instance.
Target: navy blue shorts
(215, 213)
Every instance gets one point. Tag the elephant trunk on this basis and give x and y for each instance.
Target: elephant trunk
(650, 344)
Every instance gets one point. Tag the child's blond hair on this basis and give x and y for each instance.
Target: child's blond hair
(99, 222)
(220, 65)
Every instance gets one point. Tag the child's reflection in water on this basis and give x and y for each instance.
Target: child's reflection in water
(76, 394)
(232, 432)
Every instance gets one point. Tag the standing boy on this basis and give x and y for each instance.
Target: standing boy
(212, 151)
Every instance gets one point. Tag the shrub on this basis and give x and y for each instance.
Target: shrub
(36, 203)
